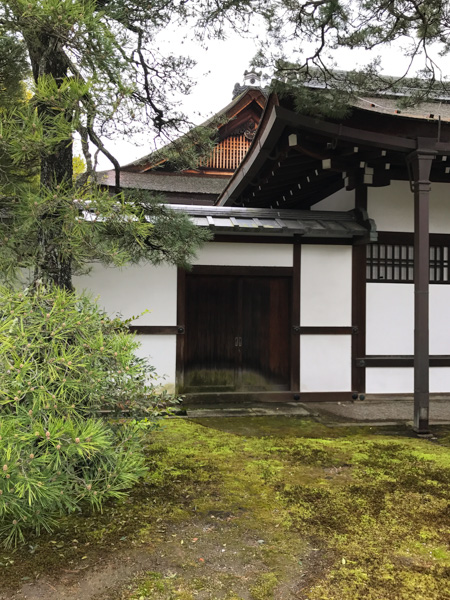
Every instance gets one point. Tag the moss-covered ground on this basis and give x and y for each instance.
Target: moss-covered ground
(261, 508)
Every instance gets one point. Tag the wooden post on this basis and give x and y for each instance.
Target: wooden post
(359, 318)
(421, 161)
(181, 324)
(295, 335)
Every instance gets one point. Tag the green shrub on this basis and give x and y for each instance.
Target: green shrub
(67, 372)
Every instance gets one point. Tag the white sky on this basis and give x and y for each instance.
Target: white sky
(218, 68)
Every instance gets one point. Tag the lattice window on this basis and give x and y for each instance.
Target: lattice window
(439, 264)
(394, 263)
(228, 154)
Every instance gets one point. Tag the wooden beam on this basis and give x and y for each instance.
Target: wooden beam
(198, 398)
(242, 271)
(325, 330)
(156, 329)
(401, 361)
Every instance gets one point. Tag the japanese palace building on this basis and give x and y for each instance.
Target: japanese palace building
(328, 274)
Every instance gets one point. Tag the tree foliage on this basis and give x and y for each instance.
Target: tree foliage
(63, 363)
(305, 35)
(13, 69)
(96, 70)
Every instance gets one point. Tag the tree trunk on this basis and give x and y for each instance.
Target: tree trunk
(48, 58)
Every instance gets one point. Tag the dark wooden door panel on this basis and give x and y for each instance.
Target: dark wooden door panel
(266, 333)
(237, 333)
(211, 329)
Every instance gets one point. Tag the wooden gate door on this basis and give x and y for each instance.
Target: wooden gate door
(211, 317)
(237, 333)
(265, 326)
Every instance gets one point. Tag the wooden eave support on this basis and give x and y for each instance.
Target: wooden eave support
(421, 162)
(276, 122)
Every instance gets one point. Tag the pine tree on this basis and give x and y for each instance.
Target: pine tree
(95, 70)
(300, 50)
(64, 364)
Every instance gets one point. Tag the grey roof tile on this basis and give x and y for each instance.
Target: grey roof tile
(162, 182)
(279, 222)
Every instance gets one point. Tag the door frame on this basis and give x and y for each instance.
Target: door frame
(291, 272)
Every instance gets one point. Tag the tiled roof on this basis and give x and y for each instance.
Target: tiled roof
(145, 160)
(162, 182)
(389, 106)
(265, 221)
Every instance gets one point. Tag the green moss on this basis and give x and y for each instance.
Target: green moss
(349, 513)
(154, 586)
(264, 587)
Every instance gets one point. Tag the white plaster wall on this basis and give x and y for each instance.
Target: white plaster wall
(390, 318)
(242, 255)
(400, 380)
(341, 200)
(161, 352)
(392, 207)
(326, 285)
(440, 319)
(133, 289)
(440, 380)
(440, 208)
(325, 363)
(389, 380)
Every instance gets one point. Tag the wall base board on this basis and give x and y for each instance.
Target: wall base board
(405, 396)
(254, 397)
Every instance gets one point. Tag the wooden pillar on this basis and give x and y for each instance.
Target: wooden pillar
(181, 324)
(359, 301)
(295, 334)
(421, 161)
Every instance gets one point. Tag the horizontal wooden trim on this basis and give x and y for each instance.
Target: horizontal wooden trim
(390, 282)
(328, 330)
(242, 271)
(405, 238)
(248, 397)
(411, 283)
(400, 361)
(269, 238)
(405, 396)
(326, 396)
(156, 329)
(237, 397)
(322, 241)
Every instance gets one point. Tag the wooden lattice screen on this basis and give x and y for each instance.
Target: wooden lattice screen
(228, 154)
(394, 263)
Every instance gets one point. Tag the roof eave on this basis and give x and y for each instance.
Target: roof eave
(278, 120)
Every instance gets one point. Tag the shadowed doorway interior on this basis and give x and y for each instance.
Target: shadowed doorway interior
(237, 332)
